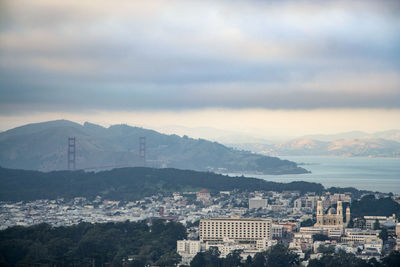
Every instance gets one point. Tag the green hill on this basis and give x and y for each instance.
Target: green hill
(43, 146)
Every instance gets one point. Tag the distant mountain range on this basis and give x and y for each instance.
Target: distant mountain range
(393, 135)
(353, 144)
(43, 146)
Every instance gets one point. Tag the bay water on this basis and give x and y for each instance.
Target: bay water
(375, 174)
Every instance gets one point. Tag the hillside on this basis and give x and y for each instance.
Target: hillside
(43, 146)
(366, 147)
(127, 183)
(393, 135)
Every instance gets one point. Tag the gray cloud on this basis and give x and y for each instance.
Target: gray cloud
(196, 54)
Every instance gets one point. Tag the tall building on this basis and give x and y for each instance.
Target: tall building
(249, 235)
(235, 228)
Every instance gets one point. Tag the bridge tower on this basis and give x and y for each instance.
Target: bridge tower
(71, 153)
(142, 149)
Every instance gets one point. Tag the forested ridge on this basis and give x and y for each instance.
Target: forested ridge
(128, 183)
(369, 205)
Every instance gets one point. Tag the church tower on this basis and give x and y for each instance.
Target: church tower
(320, 213)
(348, 217)
(339, 213)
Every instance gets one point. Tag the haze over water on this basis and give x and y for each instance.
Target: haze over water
(375, 174)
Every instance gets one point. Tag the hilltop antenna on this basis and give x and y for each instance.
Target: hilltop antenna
(71, 153)
(142, 149)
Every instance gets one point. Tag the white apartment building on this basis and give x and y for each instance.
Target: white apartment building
(188, 249)
(330, 232)
(339, 197)
(374, 245)
(371, 220)
(313, 230)
(306, 203)
(257, 203)
(235, 228)
(361, 236)
(301, 241)
(247, 249)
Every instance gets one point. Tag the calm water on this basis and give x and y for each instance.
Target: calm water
(375, 174)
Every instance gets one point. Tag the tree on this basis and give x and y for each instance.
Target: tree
(383, 234)
(87, 244)
(259, 260)
(369, 205)
(326, 249)
(320, 237)
(306, 223)
(210, 258)
(392, 260)
(248, 261)
(340, 259)
(169, 259)
(198, 260)
(377, 225)
(350, 224)
(280, 256)
(374, 263)
(233, 259)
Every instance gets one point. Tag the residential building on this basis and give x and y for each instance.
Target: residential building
(360, 236)
(188, 249)
(258, 203)
(277, 231)
(371, 220)
(235, 228)
(305, 203)
(204, 197)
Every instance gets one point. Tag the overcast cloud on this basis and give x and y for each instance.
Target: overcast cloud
(152, 55)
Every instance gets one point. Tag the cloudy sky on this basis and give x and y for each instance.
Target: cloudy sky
(266, 67)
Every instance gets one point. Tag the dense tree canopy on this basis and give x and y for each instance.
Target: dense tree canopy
(307, 223)
(127, 183)
(86, 244)
(369, 205)
(349, 259)
(277, 256)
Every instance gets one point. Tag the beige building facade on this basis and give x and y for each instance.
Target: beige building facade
(235, 228)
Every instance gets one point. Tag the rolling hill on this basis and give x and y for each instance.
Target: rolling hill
(43, 146)
(351, 147)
